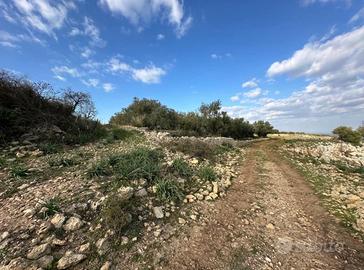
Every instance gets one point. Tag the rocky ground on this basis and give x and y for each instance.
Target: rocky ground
(336, 170)
(190, 203)
(57, 209)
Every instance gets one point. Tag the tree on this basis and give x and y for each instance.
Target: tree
(361, 129)
(347, 134)
(211, 110)
(80, 102)
(262, 129)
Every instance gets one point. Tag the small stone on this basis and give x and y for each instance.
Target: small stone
(215, 188)
(45, 261)
(214, 196)
(181, 221)
(194, 161)
(102, 246)
(58, 220)
(106, 266)
(84, 248)
(158, 212)
(193, 217)
(4, 235)
(70, 259)
(270, 226)
(141, 192)
(73, 224)
(124, 240)
(125, 193)
(157, 233)
(208, 198)
(38, 251)
(199, 196)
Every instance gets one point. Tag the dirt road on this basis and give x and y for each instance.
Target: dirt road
(270, 219)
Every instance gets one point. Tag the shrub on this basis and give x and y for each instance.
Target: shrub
(262, 129)
(99, 169)
(207, 173)
(193, 148)
(115, 215)
(19, 171)
(120, 134)
(168, 190)
(347, 134)
(181, 168)
(140, 163)
(361, 130)
(224, 148)
(50, 148)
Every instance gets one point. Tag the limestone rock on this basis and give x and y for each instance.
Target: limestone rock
(39, 251)
(73, 224)
(125, 193)
(102, 246)
(58, 220)
(158, 212)
(45, 261)
(70, 259)
(106, 266)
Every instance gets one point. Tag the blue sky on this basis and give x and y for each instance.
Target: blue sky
(296, 63)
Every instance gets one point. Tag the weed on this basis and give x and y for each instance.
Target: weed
(52, 206)
(193, 148)
(99, 169)
(63, 161)
(50, 148)
(120, 134)
(115, 215)
(168, 190)
(19, 171)
(2, 162)
(181, 168)
(140, 163)
(224, 148)
(207, 173)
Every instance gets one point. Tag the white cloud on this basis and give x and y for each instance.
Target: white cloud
(235, 98)
(60, 78)
(160, 37)
(43, 15)
(15, 40)
(108, 87)
(149, 75)
(220, 56)
(91, 82)
(250, 84)
(61, 70)
(335, 71)
(311, 2)
(359, 16)
(89, 30)
(143, 11)
(87, 52)
(253, 93)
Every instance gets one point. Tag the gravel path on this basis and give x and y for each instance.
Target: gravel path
(270, 219)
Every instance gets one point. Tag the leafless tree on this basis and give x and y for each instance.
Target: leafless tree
(81, 103)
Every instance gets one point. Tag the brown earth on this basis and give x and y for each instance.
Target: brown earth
(270, 219)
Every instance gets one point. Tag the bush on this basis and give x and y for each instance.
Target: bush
(168, 190)
(193, 148)
(181, 168)
(99, 169)
(27, 107)
(52, 206)
(262, 129)
(347, 134)
(120, 134)
(207, 173)
(361, 130)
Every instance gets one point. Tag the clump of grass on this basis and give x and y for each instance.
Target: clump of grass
(50, 148)
(120, 134)
(52, 206)
(19, 171)
(168, 190)
(207, 173)
(115, 214)
(140, 163)
(63, 161)
(181, 168)
(223, 148)
(102, 168)
(2, 162)
(347, 169)
(197, 149)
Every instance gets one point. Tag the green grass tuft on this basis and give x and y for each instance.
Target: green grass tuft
(207, 173)
(168, 190)
(19, 171)
(181, 168)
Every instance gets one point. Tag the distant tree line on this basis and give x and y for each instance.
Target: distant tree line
(209, 120)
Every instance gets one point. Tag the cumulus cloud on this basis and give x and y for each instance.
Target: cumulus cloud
(108, 87)
(143, 11)
(253, 93)
(250, 84)
(335, 71)
(15, 40)
(42, 15)
(149, 75)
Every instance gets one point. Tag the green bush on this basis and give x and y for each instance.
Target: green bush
(168, 190)
(139, 163)
(361, 130)
(19, 171)
(181, 168)
(120, 134)
(193, 148)
(207, 173)
(52, 206)
(262, 128)
(347, 134)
